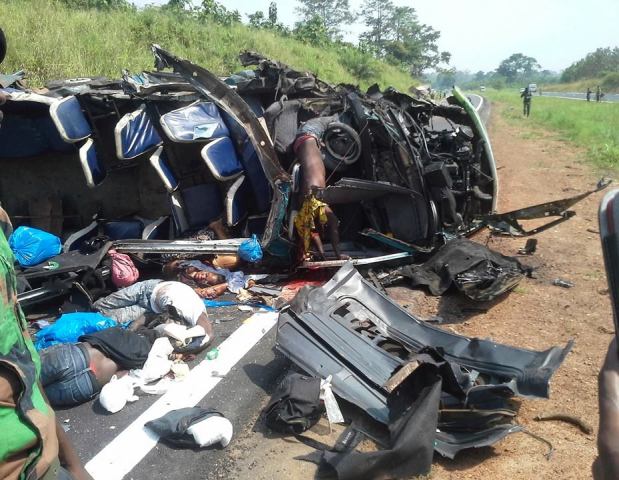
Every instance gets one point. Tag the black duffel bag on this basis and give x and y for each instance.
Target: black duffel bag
(295, 405)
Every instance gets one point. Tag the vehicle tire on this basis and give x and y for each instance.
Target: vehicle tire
(2, 45)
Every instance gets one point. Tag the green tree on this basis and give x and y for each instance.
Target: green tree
(518, 67)
(215, 11)
(273, 13)
(312, 31)
(332, 13)
(593, 65)
(396, 34)
(376, 16)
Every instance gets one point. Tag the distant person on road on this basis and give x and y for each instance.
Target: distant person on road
(526, 96)
(598, 94)
(589, 92)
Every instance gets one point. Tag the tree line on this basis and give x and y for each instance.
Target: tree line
(391, 33)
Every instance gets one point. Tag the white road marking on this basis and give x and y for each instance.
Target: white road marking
(481, 101)
(123, 453)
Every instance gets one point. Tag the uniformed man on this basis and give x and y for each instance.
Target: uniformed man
(526, 101)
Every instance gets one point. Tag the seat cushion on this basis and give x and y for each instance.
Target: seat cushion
(94, 171)
(70, 120)
(196, 122)
(221, 159)
(202, 204)
(135, 134)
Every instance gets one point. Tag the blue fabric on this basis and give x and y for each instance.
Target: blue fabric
(225, 303)
(70, 118)
(202, 204)
(250, 250)
(70, 326)
(137, 136)
(22, 136)
(122, 229)
(200, 121)
(94, 170)
(160, 163)
(258, 182)
(32, 246)
(221, 159)
(65, 375)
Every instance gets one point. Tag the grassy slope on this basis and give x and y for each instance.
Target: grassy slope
(589, 125)
(51, 41)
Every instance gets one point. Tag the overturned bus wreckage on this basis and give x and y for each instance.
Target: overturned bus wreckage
(184, 161)
(158, 156)
(379, 357)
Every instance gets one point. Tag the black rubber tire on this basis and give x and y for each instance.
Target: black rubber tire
(2, 45)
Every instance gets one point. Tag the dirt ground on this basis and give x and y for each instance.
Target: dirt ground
(533, 167)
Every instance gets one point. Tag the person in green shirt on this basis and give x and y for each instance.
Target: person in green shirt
(33, 445)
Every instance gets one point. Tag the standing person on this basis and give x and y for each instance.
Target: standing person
(526, 101)
(34, 445)
(598, 94)
(589, 92)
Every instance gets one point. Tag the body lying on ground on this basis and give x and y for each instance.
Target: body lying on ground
(74, 373)
(131, 304)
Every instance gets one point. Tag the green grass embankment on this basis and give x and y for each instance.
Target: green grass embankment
(51, 41)
(590, 125)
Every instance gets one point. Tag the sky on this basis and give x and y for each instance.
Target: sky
(481, 33)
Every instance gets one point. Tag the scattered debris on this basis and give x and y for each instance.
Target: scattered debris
(329, 331)
(559, 282)
(475, 270)
(529, 248)
(562, 417)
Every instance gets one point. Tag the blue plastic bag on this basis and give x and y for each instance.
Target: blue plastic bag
(250, 250)
(32, 246)
(70, 327)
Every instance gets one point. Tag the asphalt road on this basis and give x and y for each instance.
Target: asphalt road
(117, 446)
(608, 97)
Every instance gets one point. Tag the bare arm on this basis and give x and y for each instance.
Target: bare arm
(212, 292)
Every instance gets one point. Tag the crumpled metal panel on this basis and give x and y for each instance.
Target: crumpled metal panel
(349, 330)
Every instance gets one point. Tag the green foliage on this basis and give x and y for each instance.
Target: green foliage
(312, 31)
(587, 124)
(69, 42)
(100, 4)
(610, 81)
(395, 34)
(518, 67)
(361, 65)
(332, 14)
(259, 20)
(595, 64)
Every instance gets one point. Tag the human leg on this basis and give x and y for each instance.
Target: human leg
(66, 376)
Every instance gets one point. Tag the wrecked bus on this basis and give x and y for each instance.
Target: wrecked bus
(157, 156)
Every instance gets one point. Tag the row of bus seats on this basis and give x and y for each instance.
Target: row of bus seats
(227, 154)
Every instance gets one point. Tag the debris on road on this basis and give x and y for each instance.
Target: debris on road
(559, 282)
(329, 331)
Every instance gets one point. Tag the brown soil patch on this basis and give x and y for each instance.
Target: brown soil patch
(535, 315)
